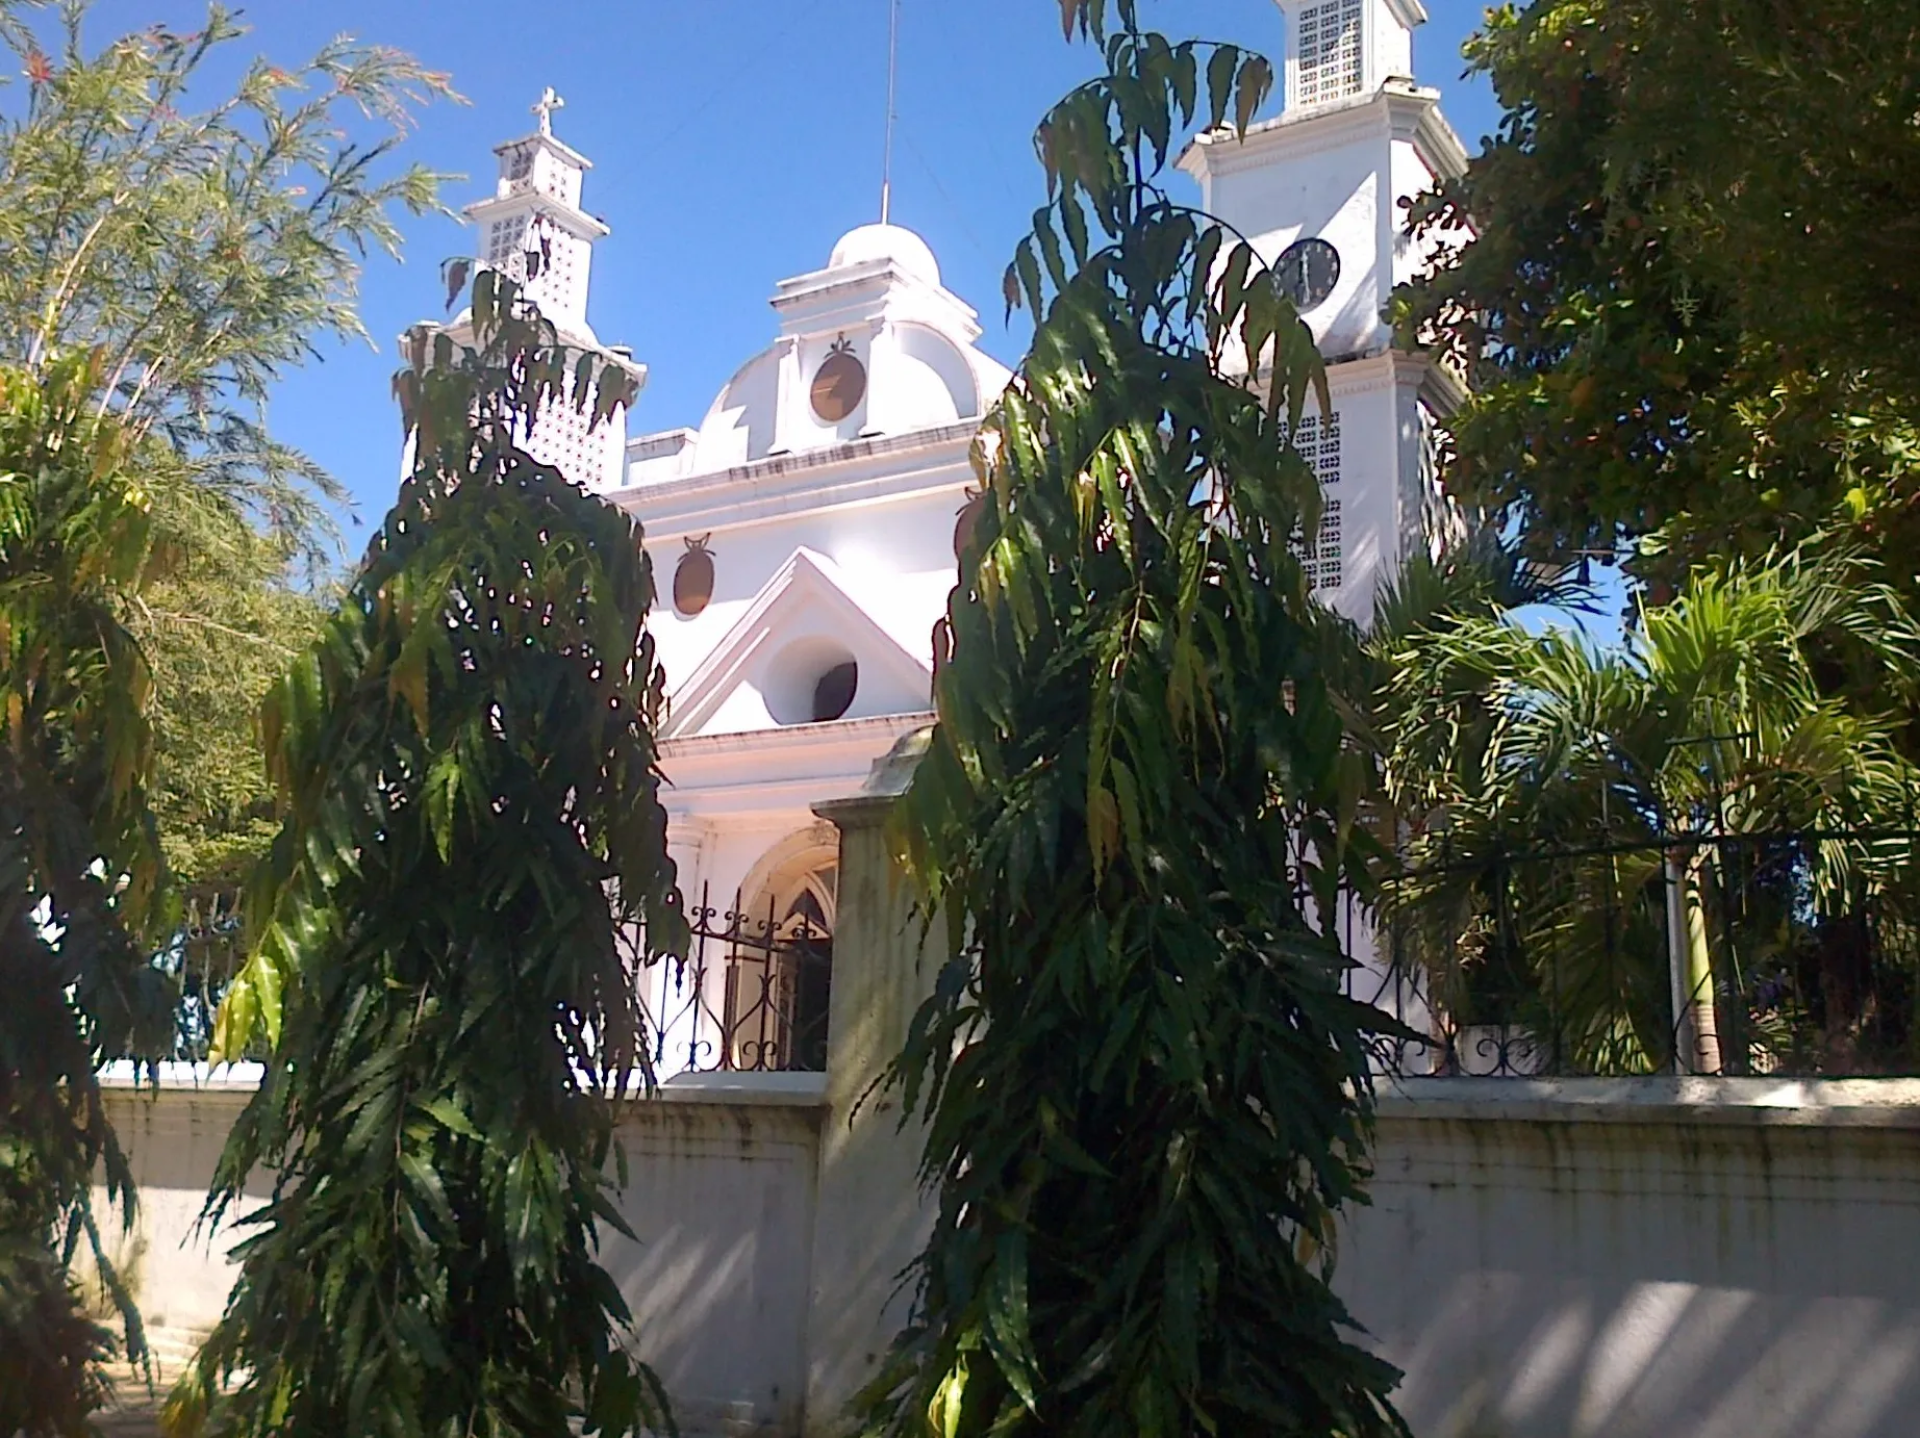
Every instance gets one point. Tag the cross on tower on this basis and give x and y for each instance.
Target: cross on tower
(544, 108)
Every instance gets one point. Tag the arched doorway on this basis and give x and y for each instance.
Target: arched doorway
(779, 975)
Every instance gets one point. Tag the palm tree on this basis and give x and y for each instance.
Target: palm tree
(1603, 842)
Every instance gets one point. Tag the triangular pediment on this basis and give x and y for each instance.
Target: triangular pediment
(805, 621)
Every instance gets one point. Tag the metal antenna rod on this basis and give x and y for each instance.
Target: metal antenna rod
(893, 79)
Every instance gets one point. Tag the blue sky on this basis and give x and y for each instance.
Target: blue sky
(733, 141)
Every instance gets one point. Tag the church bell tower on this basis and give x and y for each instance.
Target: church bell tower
(533, 229)
(1321, 191)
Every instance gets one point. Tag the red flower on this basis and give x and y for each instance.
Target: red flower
(39, 68)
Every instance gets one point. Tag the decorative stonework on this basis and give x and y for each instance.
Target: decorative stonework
(1331, 55)
(1317, 440)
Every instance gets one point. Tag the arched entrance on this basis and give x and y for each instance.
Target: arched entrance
(779, 974)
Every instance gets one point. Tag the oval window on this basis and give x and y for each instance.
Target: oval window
(693, 578)
(833, 694)
(839, 384)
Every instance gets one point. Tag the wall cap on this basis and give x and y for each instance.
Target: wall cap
(763, 1090)
(891, 774)
(1890, 1103)
(750, 1090)
(121, 1076)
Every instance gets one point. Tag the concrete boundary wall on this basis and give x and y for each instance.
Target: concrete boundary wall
(1644, 1258)
(1618, 1258)
(723, 1179)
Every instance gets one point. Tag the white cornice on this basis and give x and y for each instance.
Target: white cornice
(1441, 387)
(576, 220)
(558, 146)
(1418, 119)
(1403, 109)
(771, 778)
(846, 279)
(573, 336)
(1222, 152)
(849, 734)
(1391, 368)
(1357, 376)
(779, 485)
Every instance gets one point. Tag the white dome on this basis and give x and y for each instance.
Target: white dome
(886, 242)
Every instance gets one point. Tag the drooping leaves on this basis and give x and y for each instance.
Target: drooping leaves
(441, 957)
(1146, 1095)
(81, 881)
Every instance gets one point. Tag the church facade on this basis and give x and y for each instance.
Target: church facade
(803, 531)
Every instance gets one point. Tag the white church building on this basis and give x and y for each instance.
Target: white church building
(803, 530)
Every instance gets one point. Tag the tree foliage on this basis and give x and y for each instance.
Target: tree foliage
(162, 267)
(219, 620)
(1544, 783)
(199, 253)
(472, 822)
(1147, 1096)
(1689, 306)
(81, 892)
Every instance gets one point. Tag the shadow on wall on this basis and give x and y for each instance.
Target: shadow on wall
(721, 1197)
(175, 1268)
(1643, 1280)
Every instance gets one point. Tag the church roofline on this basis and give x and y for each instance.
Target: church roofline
(1412, 112)
(747, 741)
(661, 443)
(842, 474)
(818, 285)
(460, 328)
(559, 147)
(753, 773)
(807, 575)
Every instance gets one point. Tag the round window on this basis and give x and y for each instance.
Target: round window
(839, 384)
(833, 694)
(812, 680)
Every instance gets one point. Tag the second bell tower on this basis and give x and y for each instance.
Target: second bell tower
(1321, 191)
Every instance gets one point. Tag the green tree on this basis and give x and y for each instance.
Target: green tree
(1147, 1095)
(199, 252)
(162, 267)
(1546, 786)
(219, 619)
(440, 950)
(81, 897)
(1688, 304)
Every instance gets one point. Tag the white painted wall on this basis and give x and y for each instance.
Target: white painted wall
(721, 1200)
(177, 1272)
(1656, 1258)
(1600, 1259)
(882, 514)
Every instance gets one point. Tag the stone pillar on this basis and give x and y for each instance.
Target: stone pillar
(870, 1217)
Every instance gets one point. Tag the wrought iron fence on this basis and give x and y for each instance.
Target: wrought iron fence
(1786, 954)
(750, 996)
